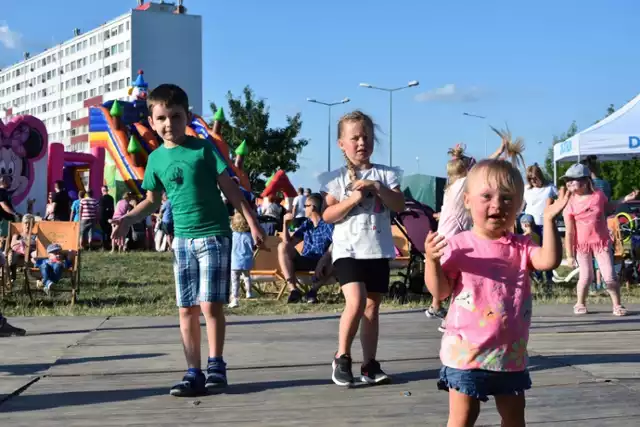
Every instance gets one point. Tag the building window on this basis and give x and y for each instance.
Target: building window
(114, 49)
(128, 45)
(121, 84)
(107, 87)
(120, 28)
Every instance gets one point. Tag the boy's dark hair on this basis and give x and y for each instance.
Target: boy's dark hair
(316, 201)
(168, 95)
(89, 193)
(300, 190)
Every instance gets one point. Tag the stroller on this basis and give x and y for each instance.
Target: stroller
(414, 222)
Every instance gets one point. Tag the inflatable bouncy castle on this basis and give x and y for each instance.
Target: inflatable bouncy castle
(23, 162)
(122, 129)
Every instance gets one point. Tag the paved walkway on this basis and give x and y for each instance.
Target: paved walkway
(116, 371)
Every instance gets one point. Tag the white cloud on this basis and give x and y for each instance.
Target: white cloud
(8, 38)
(450, 93)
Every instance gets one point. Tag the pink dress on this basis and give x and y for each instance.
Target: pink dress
(454, 218)
(490, 313)
(591, 231)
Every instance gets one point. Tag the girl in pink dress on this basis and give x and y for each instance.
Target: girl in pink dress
(122, 207)
(587, 235)
(486, 272)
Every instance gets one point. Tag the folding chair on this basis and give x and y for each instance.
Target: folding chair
(15, 229)
(67, 235)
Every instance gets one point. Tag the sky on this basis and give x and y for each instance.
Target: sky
(534, 66)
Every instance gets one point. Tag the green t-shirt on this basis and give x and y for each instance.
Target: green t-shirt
(189, 175)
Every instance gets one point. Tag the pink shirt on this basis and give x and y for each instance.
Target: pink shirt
(490, 313)
(454, 218)
(122, 207)
(592, 233)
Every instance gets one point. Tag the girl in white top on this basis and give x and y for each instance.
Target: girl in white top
(454, 217)
(360, 198)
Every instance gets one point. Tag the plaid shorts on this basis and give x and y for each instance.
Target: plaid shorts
(202, 268)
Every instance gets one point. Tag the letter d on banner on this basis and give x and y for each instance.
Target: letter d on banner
(634, 142)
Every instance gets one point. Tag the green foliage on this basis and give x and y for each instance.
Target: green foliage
(269, 148)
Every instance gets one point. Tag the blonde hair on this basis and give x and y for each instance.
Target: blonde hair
(28, 218)
(369, 125)
(513, 149)
(458, 166)
(239, 224)
(504, 174)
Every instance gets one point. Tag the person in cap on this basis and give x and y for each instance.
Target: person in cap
(587, 235)
(52, 267)
(528, 225)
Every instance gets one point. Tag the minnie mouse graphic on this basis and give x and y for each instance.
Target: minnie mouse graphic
(23, 142)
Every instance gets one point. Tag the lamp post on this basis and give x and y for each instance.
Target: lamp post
(329, 104)
(412, 83)
(485, 129)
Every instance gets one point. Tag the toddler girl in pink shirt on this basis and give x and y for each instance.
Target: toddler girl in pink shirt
(486, 272)
(587, 235)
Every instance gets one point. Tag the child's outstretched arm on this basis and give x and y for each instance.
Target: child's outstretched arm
(550, 255)
(434, 277)
(240, 203)
(500, 150)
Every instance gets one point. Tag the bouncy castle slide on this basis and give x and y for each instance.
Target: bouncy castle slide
(116, 133)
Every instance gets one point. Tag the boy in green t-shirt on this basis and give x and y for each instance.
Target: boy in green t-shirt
(188, 169)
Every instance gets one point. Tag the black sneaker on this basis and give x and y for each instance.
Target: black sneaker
(216, 376)
(191, 385)
(312, 297)
(295, 296)
(7, 330)
(342, 374)
(373, 374)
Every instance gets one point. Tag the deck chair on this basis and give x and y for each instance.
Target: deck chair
(266, 268)
(67, 235)
(403, 250)
(14, 229)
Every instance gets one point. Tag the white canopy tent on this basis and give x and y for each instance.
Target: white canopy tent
(616, 137)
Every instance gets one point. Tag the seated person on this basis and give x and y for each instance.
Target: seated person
(19, 243)
(52, 267)
(317, 237)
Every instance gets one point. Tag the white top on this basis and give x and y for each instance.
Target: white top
(298, 205)
(536, 200)
(454, 217)
(365, 233)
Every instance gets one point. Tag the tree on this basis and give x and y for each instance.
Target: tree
(270, 148)
(548, 161)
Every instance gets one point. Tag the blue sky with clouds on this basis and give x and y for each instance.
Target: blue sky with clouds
(534, 65)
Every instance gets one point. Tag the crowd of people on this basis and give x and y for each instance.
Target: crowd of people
(481, 256)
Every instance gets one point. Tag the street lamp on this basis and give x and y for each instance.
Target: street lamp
(412, 83)
(329, 104)
(485, 129)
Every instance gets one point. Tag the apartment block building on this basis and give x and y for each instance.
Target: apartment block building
(59, 84)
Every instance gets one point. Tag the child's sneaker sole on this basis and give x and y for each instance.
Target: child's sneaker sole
(383, 379)
(335, 380)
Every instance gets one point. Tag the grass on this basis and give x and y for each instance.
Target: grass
(142, 284)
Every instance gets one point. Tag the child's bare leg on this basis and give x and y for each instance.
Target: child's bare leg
(585, 276)
(370, 327)
(463, 409)
(190, 331)
(511, 410)
(216, 326)
(608, 276)
(355, 295)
